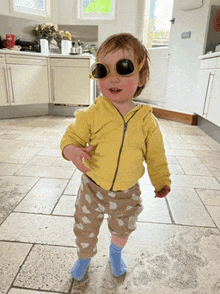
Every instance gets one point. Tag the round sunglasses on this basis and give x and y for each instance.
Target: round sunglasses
(123, 67)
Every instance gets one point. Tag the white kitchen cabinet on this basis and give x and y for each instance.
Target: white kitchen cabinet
(213, 111)
(4, 95)
(28, 80)
(70, 81)
(209, 90)
(204, 90)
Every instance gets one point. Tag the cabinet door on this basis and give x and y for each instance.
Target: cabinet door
(71, 85)
(28, 84)
(214, 104)
(203, 90)
(4, 95)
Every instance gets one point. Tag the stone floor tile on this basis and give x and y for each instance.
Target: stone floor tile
(42, 160)
(39, 229)
(50, 152)
(73, 186)
(43, 196)
(65, 206)
(193, 166)
(192, 139)
(176, 169)
(60, 161)
(209, 197)
(8, 169)
(46, 171)
(47, 268)
(215, 213)
(12, 256)
(195, 182)
(155, 209)
(172, 159)
(187, 208)
(215, 171)
(176, 152)
(192, 147)
(12, 190)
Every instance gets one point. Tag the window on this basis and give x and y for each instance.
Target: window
(38, 7)
(159, 23)
(97, 9)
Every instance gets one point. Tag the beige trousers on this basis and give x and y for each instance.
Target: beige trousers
(122, 208)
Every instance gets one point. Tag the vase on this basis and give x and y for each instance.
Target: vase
(66, 46)
(44, 46)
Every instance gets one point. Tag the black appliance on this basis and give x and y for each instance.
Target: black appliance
(32, 46)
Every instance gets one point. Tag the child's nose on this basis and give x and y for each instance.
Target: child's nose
(113, 77)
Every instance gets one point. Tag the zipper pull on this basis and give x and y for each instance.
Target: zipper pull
(125, 127)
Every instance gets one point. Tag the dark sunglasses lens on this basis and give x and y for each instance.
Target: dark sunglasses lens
(99, 71)
(125, 67)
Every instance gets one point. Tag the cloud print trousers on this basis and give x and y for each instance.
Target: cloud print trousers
(122, 208)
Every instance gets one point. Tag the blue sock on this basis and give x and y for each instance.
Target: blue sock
(118, 264)
(79, 269)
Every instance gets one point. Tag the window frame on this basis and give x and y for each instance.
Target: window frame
(38, 12)
(109, 16)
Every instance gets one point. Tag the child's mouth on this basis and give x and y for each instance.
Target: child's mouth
(115, 90)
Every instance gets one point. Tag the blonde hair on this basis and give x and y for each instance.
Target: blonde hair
(126, 41)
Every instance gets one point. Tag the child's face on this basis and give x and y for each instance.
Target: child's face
(119, 89)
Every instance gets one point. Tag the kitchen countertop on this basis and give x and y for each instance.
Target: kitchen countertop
(54, 55)
(210, 55)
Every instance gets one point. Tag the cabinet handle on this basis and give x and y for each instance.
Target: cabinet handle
(6, 84)
(13, 97)
(208, 94)
(53, 85)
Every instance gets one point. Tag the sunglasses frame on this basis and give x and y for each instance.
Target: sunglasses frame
(136, 69)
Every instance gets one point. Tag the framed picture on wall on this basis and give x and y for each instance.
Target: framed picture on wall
(191, 4)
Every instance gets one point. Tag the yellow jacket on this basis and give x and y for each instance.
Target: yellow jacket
(121, 144)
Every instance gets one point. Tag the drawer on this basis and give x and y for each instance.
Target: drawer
(218, 63)
(26, 60)
(208, 63)
(74, 62)
(2, 58)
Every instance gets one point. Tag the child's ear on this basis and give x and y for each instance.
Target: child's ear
(141, 82)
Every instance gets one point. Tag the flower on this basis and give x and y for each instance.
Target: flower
(61, 35)
(45, 30)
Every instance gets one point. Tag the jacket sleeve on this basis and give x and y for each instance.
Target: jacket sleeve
(78, 133)
(156, 159)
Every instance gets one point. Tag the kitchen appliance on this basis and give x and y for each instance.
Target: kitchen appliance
(9, 41)
(32, 46)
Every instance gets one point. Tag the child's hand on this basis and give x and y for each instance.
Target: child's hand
(163, 192)
(76, 154)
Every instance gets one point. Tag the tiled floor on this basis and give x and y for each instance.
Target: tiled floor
(175, 249)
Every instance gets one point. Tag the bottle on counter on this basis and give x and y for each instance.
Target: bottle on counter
(79, 47)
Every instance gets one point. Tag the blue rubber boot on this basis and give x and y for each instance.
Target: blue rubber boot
(79, 269)
(118, 264)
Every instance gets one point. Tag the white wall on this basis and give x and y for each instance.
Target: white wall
(183, 66)
(155, 90)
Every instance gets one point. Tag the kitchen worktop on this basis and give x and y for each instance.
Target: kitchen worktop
(56, 55)
(210, 55)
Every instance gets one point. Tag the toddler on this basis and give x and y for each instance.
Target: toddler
(108, 143)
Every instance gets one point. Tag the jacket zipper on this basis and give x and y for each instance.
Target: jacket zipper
(120, 151)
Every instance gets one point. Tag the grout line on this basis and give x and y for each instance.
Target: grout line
(170, 212)
(39, 244)
(206, 209)
(20, 267)
(38, 290)
(62, 192)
